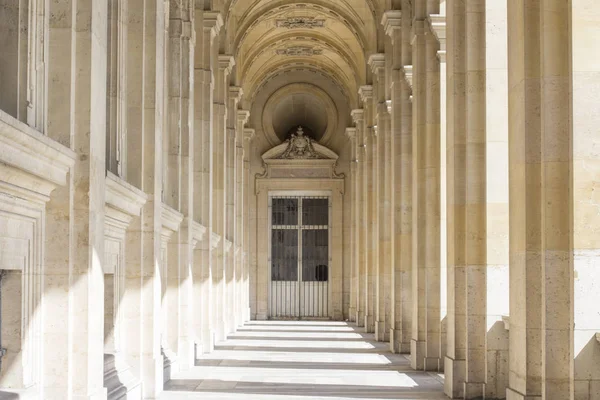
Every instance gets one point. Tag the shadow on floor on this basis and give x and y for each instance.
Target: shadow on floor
(286, 360)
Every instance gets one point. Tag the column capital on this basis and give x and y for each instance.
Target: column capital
(418, 29)
(226, 62)
(392, 22)
(236, 93)
(408, 75)
(358, 115)
(351, 133)
(243, 116)
(366, 93)
(212, 22)
(388, 104)
(436, 25)
(249, 134)
(377, 63)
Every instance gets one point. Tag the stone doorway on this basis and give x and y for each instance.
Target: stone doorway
(299, 257)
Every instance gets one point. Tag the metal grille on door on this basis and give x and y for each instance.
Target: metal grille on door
(299, 257)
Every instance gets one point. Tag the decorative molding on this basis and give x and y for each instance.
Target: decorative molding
(366, 93)
(408, 75)
(236, 93)
(243, 116)
(388, 104)
(300, 23)
(249, 134)
(279, 162)
(300, 146)
(123, 202)
(506, 320)
(351, 133)
(227, 245)
(437, 26)
(299, 51)
(171, 221)
(30, 162)
(392, 23)
(212, 22)
(358, 115)
(377, 63)
(226, 62)
(215, 239)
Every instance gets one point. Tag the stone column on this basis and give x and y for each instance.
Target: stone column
(397, 25)
(361, 231)
(208, 25)
(248, 191)
(75, 242)
(382, 212)
(425, 346)
(185, 349)
(223, 63)
(353, 186)
(541, 202)
(586, 175)
(234, 97)
(369, 172)
(240, 291)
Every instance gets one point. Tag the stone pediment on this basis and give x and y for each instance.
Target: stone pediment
(300, 157)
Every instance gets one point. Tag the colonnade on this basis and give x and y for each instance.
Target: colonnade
(123, 178)
(473, 185)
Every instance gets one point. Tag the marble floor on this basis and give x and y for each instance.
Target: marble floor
(301, 360)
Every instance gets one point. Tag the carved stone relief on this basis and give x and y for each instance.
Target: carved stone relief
(300, 22)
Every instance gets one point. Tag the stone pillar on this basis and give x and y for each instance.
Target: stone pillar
(382, 211)
(397, 25)
(234, 97)
(248, 191)
(223, 64)
(541, 189)
(240, 291)
(208, 25)
(75, 243)
(425, 346)
(361, 231)
(353, 186)
(586, 175)
(185, 349)
(369, 173)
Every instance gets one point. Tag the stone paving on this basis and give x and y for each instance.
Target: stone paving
(300, 360)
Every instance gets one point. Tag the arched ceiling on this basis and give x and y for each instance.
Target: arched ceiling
(332, 38)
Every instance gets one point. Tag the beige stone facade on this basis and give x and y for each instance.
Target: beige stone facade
(455, 142)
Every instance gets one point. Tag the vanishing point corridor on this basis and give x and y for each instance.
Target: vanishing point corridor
(292, 360)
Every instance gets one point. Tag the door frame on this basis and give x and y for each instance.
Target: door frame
(265, 188)
(300, 195)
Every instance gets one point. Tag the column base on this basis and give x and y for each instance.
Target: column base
(514, 395)
(186, 352)
(454, 378)
(219, 331)
(208, 343)
(431, 364)
(360, 318)
(119, 380)
(474, 390)
(380, 332)
(369, 324)
(396, 344)
(417, 354)
(352, 314)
